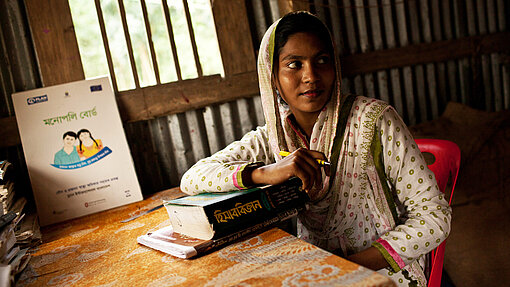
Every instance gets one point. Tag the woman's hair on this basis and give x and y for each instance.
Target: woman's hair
(69, 133)
(296, 22)
(85, 131)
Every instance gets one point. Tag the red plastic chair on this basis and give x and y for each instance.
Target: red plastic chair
(446, 164)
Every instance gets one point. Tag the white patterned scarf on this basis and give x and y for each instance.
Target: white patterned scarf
(322, 224)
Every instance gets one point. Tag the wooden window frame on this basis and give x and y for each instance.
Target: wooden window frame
(59, 62)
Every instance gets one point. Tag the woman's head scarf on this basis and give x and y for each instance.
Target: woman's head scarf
(282, 137)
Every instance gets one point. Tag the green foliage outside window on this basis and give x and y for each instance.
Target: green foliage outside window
(92, 50)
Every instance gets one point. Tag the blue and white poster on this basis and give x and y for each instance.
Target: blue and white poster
(76, 151)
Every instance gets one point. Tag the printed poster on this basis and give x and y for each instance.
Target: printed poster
(75, 148)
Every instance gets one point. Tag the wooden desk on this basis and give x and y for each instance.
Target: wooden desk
(99, 250)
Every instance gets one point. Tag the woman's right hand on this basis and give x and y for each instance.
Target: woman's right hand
(301, 163)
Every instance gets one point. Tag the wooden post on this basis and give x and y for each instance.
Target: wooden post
(287, 6)
(55, 41)
(234, 36)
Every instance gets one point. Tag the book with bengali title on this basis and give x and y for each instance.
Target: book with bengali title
(215, 215)
(75, 148)
(168, 241)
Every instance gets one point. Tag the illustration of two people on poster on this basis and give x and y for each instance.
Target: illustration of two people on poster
(71, 153)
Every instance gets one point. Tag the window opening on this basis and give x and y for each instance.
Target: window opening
(143, 43)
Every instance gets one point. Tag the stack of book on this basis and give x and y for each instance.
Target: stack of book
(203, 222)
(15, 235)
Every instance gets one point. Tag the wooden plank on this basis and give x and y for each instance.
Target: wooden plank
(287, 6)
(9, 132)
(55, 41)
(185, 95)
(440, 51)
(234, 36)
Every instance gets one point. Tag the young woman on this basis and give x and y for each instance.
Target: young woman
(88, 145)
(379, 205)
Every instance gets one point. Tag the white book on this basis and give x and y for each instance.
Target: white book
(76, 151)
(165, 240)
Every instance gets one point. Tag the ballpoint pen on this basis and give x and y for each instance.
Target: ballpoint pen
(320, 161)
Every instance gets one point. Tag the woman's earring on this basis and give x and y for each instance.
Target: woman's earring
(281, 101)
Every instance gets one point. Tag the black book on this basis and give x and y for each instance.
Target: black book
(216, 215)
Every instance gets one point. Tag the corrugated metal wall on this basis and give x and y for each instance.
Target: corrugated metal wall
(164, 148)
(18, 72)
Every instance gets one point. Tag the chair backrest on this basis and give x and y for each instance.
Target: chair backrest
(447, 161)
(446, 165)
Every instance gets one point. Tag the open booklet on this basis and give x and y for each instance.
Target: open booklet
(173, 243)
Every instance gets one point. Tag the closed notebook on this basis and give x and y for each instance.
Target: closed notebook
(173, 243)
(215, 215)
